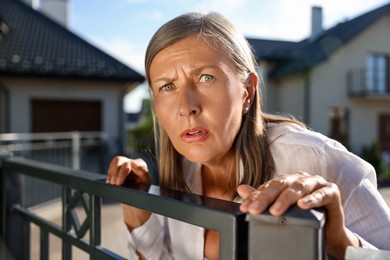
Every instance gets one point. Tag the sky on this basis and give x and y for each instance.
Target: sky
(123, 28)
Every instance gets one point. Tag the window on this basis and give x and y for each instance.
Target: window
(377, 73)
(338, 120)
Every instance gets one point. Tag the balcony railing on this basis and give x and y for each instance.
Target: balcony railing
(368, 84)
(241, 236)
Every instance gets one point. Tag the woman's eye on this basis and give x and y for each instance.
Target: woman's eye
(166, 87)
(206, 78)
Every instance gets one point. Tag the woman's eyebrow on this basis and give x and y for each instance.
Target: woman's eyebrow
(206, 66)
(162, 79)
(195, 71)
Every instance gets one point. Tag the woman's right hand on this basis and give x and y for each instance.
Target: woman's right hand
(122, 168)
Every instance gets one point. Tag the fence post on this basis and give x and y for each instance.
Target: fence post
(76, 136)
(299, 235)
(15, 230)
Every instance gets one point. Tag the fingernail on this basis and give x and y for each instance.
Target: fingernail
(277, 206)
(306, 200)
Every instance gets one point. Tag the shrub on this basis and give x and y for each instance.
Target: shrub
(373, 155)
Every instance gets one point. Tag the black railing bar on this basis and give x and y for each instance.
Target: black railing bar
(219, 215)
(94, 184)
(56, 230)
(44, 244)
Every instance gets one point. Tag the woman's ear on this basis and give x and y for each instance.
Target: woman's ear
(251, 86)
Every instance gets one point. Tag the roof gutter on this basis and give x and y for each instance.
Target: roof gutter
(306, 97)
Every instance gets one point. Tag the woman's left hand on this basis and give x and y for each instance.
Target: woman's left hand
(307, 191)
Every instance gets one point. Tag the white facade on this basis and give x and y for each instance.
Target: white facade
(328, 88)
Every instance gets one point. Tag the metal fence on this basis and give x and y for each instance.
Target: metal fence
(301, 233)
(77, 150)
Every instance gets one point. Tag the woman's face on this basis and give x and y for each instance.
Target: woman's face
(199, 98)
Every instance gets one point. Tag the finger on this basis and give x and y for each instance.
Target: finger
(140, 170)
(302, 186)
(268, 193)
(327, 196)
(118, 170)
(259, 199)
(114, 167)
(245, 190)
(123, 172)
(109, 171)
(248, 194)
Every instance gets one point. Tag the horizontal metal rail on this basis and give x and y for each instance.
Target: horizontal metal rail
(221, 216)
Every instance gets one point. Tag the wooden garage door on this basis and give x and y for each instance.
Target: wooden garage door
(65, 115)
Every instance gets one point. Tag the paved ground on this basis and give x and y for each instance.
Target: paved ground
(114, 236)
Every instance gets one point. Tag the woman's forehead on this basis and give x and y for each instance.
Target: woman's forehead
(192, 53)
(194, 47)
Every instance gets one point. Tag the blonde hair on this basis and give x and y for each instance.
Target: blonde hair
(250, 146)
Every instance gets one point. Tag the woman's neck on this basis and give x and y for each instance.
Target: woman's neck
(218, 180)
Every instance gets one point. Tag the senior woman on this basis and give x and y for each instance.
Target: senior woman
(213, 139)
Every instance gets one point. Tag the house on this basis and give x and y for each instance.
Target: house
(336, 80)
(51, 80)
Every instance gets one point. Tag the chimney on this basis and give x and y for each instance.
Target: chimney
(316, 22)
(33, 3)
(57, 10)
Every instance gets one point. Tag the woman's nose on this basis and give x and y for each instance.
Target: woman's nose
(188, 103)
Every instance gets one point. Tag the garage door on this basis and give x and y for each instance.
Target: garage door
(65, 115)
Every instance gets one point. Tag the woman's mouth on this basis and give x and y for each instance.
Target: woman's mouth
(195, 134)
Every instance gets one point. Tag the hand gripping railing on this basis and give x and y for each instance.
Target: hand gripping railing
(298, 234)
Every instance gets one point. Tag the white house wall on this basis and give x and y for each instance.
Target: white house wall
(290, 96)
(21, 94)
(268, 92)
(329, 86)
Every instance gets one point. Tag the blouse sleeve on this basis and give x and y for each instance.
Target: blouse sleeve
(366, 212)
(150, 239)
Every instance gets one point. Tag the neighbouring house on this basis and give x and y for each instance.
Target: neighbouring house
(51, 80)
(336, 80)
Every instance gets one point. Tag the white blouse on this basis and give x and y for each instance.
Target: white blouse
(293, 149)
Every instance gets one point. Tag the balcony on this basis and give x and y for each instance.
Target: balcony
(368, 84)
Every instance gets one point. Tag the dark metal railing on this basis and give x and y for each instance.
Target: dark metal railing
(77, 150)
(221, 216)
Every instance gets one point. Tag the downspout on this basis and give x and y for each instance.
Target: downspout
(122, 134)
(4, 109)
(121, 122)
(306, 98)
